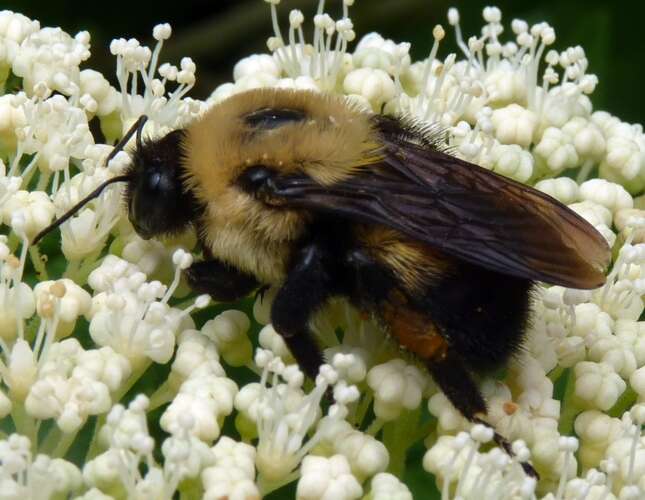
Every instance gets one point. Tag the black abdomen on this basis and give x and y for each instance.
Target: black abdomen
(482, 314)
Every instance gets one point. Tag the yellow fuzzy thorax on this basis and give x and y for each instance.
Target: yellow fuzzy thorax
(332, 143)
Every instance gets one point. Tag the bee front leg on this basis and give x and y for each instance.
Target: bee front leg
(221, 281)
(306, 289)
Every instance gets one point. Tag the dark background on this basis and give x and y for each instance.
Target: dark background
(217, 33)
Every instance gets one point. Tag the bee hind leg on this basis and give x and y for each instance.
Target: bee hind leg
(456, 382)
(307, 288)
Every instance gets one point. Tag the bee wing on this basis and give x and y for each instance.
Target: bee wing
(466, 211)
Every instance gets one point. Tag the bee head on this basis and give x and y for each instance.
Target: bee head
(157, 201)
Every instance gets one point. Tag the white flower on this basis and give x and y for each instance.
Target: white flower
(596, 431)
(555, 151)
(185, 455)
(397, 386)
(366, 455)
(350, 362)
(298, 83)
(608, 194)
(563, 189)
(271, 340)
(520, 418)
(14, 28)
(229, 332)
(208, 398)
(449, 420)
(12, 116)
(586, 137)
(28, 212)
(128, 315)
(52, 56)
(505, 85)
(254, 64)
(632, 333)
(373, 51)
(166, 110)
(512, 161)
(73, 384)
(284, 413)
(39, 477)
(571, 351)
(71, 302)
(456, 458)
(68, 400)
(17, 301)
(610, 350)
(326, 59)
(514, 125)
(327, 479)
(233, 473)
(95, 85)
(22, 370)
(625, 160)
(388, 487)
(598, 385)
(375, 85)
(591, 319)
(194, 351)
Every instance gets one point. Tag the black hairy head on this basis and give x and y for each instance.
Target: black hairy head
(157, 201)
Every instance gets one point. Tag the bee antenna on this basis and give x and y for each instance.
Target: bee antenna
(72, 211)
(137, 127)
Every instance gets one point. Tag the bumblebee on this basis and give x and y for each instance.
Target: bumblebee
(309, 193)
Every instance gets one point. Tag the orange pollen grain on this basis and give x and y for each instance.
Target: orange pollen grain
(510, 408)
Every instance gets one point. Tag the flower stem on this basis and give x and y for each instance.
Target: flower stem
(569, 409)
(624, 403)
(361, 410)
(164, 394)
(57, 442)
(375, 427)
(81, 270)
(267, 487)
(190, 490)
(136, 374)
(555, 374)
(39, 266)
(25, 423)
(94, 448)
(13, 241)
(398, 436)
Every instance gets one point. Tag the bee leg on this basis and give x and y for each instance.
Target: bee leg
(306, 289)
(261, 292)
(221, 281)
(456, 382)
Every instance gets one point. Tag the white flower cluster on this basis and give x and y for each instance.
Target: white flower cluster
(76, 346)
